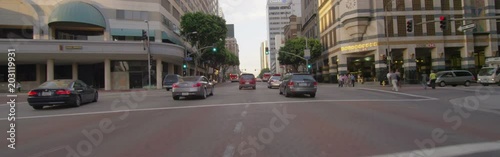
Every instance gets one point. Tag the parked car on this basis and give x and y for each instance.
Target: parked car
(192, 86)
(247, 81)
(454, 78)
(274, 81)
(297, 84)
(169, 80)
(61, 92)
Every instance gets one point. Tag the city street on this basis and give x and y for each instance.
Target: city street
(366, 120)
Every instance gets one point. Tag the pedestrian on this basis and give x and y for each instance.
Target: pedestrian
(339, 78)
(388, 77)
(18, 86)
(346, 80)
(432, 77)
(424, 80)
(398, 77)
(394, 81)
(353, 79)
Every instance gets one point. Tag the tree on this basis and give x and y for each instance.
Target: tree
(297, 46)
(262, 71)
(210, 31)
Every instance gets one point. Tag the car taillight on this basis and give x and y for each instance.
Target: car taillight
(175, 85)
(32, 93)
(63, 92)
(315, 83)
(290, 83)
(197, 85)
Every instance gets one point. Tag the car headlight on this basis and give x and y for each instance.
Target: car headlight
(492, 79)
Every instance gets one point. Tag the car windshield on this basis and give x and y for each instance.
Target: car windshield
(303, 78)
(56, 84)
(486, 72)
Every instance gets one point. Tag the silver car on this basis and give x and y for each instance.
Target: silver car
(274, 81)
(192, 86)
(295, 84)
(454, 78)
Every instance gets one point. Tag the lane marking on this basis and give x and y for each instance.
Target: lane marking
(238, 127)
(229, 152)
(223, 105)
(400, 93)
(447, 151)
(244, 113)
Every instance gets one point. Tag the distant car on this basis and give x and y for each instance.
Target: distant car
(192, 86)
(454, 78)
(258, 79)
(233, 77)
(169, 80)
(274, 81)
(266, 76)
(295, 84)
(61, 92)
(247, 81)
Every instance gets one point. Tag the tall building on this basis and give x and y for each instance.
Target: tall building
(309, 19)
(278, 12)
(369, 37)
(232, 45)
(230, 31)
(97, 41)
(279, 41)
(264, 58)
(292, 30)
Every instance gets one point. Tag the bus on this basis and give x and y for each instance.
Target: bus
(233, 77)
(265, 77)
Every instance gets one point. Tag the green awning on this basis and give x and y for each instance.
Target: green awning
(129, 32)
(78, 12)
(165, 36)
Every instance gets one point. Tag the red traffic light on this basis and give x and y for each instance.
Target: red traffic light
(442, 18)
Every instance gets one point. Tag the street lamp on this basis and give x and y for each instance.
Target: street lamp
(149, 56)
(185, 48)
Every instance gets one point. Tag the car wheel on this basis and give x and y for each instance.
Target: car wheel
(467, 83)
(253, 88)
(204, 96)
(442, 84)
(312, 95)
(240, 88)
(168, 89)
(175, 97)
(78, 101)
(37, 107)
(96, 96)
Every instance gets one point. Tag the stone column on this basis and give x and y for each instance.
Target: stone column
(333, 69)
(380, 64)
(159, 74)
(74, 71)
(342, 64)
(107, 74)
(438, 55)
(50, 69)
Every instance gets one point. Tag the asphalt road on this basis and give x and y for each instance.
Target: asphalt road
(361, 121)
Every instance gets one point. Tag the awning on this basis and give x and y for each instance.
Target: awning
(129, 32)
(173, 39)
(78, 12)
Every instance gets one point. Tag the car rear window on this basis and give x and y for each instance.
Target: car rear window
(171, 78)
(303, 77)
(463, 73)
(56, 84)
(246, 77)
(275, 78)
(190, 79)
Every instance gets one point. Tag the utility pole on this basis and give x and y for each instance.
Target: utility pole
(388, 50)
(149, 56)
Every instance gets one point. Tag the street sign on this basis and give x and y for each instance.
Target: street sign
(188, 58)
(307, 54)
(466, 27)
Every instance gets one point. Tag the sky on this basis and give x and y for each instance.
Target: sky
(249, 19)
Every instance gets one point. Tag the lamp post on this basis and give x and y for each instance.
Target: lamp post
(149, 56)
(388, 51)
(185, 48)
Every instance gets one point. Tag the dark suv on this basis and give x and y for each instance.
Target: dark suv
(247, 81)
(169, 80)
(295, 84)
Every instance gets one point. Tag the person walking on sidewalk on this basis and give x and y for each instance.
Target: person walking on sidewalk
(433, 77)
(353, 79)
(424, 80)
(394, 81)
(389, 77)
(341, 81)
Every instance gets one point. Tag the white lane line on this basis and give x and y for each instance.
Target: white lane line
(247, 105)
(400, 93)
(1, 105)
(238, 127)
(229, 152)
(222, 105)
(244, 113)
(449, 151)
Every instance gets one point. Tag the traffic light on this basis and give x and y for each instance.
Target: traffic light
(144, 35)
(267, 50)
(308, 66)
(214, 49)
(409, 26)
(184, 66)
(443, 21)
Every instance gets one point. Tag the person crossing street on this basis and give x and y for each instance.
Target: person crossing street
(433, 77)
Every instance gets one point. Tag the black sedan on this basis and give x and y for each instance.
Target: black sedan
(61, 92)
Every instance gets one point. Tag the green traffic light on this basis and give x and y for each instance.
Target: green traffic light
(267, 52)
(214, 49)
(184, 66)
(309, 66)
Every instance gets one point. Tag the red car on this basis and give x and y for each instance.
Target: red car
(247, 81)
(233, 77)
(266, 77)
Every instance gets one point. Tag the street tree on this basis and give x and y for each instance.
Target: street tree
(297, 46)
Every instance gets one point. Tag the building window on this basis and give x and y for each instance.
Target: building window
(176, 14)
(16, 33)
(416, 5)
(498, 27)
(401, 26)
(400, 5)
(445, 4)
(132, 15)
(497, 5)
(390, 26)
(429, 4)
(431, 29)
(166, 4)
(457, 4)
(417, 29)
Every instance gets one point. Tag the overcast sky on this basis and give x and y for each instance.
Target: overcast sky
(249, 19)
